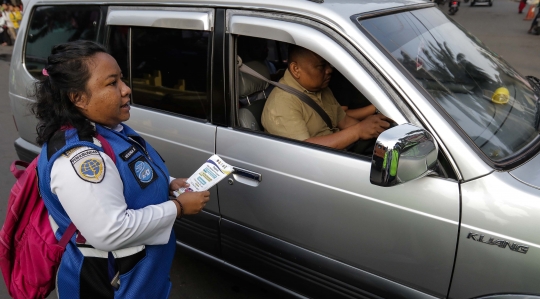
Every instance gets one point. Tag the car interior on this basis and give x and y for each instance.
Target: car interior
(269, 59)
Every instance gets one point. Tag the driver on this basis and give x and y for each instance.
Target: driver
(286, 115)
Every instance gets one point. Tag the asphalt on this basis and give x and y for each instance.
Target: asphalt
(504, 31)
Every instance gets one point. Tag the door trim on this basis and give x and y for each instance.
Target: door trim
(171, 17)
(291, 266)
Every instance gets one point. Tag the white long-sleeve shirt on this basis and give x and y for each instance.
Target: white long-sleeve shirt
(8, 21)
(99, 210)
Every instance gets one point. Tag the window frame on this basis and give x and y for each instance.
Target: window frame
(398, 102)
(160, 16)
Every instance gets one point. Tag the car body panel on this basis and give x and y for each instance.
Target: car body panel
(307, 272)
(499, 207)
(528, 173)
(184, 144)
(324, 202)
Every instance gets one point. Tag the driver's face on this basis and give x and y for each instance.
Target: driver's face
(313, 72)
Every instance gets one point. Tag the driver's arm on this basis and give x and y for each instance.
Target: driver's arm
(338, 140)
(346, 122)
(353, 130)
(341, 139)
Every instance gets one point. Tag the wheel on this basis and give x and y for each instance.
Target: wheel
(490, 3)
(472, 3)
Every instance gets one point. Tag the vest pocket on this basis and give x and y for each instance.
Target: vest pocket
(127, 263)
(127, 267)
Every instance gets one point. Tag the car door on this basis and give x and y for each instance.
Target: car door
(165, 55)
(307, 217)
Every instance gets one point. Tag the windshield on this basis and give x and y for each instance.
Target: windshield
(494, 105)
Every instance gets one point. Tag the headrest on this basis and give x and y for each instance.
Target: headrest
(248, 84)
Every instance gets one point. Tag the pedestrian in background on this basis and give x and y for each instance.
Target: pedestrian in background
(125, 245)
(9, 24)
(522, 5)
(534, 25)
(15, 17)
(4, 37)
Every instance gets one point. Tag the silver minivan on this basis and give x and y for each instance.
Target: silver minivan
(448, 204)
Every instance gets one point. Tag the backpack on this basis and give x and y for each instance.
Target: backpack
(29, 252)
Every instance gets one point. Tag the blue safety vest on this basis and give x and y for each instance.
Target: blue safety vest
(144, 274)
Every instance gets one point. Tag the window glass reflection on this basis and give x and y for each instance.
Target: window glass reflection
(169, 70)
(464, 77)
(52, 25)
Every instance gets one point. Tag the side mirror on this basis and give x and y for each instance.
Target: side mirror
(402, 154)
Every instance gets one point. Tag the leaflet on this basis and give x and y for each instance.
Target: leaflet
(209, 174)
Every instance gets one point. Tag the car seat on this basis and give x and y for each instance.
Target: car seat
(252, 96)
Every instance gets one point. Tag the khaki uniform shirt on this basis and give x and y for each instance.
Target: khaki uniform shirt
(286, 115)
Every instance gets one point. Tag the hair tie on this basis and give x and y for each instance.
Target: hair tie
(44, 72)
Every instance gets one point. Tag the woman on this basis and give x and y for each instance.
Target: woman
(122, 210)
(4, 37)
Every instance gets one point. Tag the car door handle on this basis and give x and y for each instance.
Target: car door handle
(247, 177)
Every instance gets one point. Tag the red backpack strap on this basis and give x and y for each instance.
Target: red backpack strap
(107, 148)
(18, 172)
(70, 230)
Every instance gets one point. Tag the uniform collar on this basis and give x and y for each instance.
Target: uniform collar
(119, 128)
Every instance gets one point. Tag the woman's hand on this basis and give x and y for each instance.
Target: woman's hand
(193, 202)
(177, 184)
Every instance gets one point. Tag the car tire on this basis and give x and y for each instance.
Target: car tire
(490, 3)
(472, 3)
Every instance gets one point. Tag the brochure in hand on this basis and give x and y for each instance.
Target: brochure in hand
(209, 174)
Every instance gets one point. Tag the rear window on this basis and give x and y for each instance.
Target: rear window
(167, 68)
(52, 25)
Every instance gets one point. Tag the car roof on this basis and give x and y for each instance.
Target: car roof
(334, 13)
(321, 9)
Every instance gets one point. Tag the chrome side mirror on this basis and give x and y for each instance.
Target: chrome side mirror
(402, 154)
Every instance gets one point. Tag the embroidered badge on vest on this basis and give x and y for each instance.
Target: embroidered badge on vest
(89, 165)
(125, 155)
(143, 171)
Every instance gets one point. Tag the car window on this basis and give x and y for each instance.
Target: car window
(493, 104)
(169, 68)
(269, 59)
(52, 25)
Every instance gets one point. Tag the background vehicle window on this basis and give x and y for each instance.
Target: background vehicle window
(169, 70)
(52, 25)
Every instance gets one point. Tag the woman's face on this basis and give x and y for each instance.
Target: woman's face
(107, 99)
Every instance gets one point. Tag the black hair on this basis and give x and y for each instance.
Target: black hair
(68, 73)
(295, 52)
